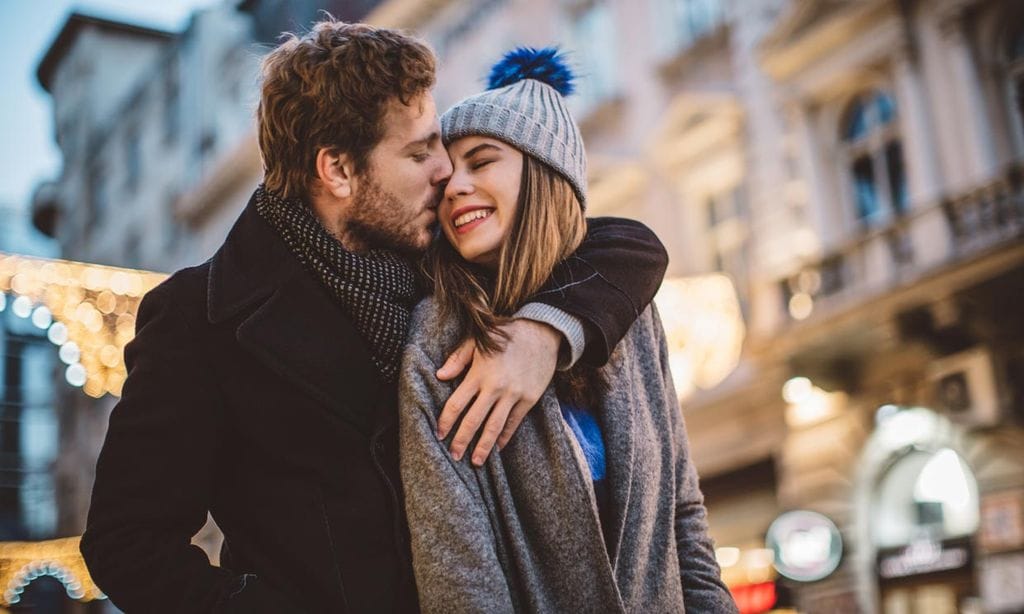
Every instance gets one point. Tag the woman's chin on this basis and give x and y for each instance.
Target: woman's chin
(483, 259)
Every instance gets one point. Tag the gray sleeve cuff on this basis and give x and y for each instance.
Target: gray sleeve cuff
(569, 325)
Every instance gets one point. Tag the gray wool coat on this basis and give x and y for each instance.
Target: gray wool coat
(521, 533)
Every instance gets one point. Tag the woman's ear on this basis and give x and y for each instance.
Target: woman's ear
(336, 172)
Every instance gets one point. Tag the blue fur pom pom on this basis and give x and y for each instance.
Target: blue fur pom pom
(546, 65)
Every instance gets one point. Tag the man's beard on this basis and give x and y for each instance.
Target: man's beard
(380, 220)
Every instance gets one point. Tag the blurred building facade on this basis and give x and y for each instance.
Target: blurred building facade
(28, 428)
(853, 166)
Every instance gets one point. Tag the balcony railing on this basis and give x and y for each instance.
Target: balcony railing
(926, 239)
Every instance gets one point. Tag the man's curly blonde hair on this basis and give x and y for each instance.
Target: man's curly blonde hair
(330, 89)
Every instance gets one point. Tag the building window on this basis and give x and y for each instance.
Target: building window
(132, 157)
(1016, 74)
(97, 182)
(684, 22)
(728, 225)
(874, 158)
(172, 104)
(592, 42)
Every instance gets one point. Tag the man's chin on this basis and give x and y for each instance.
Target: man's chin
(414, 246)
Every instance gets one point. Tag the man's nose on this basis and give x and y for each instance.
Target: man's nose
(444, 171)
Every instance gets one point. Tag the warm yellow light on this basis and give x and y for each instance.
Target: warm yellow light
(797, 389)
(20, 562)
(110, 356)
(801, 305)
(704, 326)
(93, 307)
(727, 556)
(759, 557)
(812, 406)
(106, 301)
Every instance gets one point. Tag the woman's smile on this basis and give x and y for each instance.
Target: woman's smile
(465, 219)
(481, 197)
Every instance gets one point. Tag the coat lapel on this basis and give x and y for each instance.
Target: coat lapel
(618, 426)
(292, 325)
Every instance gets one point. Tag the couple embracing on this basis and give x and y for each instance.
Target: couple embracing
(385, 418)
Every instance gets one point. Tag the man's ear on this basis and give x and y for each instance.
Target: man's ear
(336, 172)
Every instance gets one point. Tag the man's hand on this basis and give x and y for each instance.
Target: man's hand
(506, 385)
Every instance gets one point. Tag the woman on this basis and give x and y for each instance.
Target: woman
(593, 506)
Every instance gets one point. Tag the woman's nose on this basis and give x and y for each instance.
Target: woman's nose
(457, 185)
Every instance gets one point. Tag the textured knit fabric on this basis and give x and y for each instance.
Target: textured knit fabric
(586, 429)
(521, 533)
(569, 325)
(377, 289)
(529, 115)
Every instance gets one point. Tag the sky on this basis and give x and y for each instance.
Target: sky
(28, 153)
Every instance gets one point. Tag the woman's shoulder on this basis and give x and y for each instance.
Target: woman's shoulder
(647, 329)
(431, 334)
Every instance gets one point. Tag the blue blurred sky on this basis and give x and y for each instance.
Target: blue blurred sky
(27, 27)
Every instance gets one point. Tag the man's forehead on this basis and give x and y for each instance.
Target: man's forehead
(405, 123)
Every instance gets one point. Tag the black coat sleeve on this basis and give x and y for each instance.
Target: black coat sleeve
(155, 475)
(608, 282)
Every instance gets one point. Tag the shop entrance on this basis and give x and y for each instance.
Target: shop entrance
(924, 511)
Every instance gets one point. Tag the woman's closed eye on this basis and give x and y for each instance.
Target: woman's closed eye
(478, 164)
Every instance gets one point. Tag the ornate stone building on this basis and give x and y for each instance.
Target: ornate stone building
(853, 166)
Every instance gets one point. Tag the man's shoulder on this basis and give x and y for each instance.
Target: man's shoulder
(187, 290)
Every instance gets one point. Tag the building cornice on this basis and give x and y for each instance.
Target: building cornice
(73, 27)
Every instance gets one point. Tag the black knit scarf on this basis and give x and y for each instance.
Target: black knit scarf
(377, 290)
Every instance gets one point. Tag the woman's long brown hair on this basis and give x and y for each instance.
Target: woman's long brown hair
(548, 227)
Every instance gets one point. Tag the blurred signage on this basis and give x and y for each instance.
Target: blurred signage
(1002, 583)
(922, 557)
(1002, 521)
(807, 545)
(754, 598)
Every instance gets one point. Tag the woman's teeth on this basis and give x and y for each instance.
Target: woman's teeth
(466, 218)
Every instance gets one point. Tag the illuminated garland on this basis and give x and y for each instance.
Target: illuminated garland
(87, 310)
(23, 562)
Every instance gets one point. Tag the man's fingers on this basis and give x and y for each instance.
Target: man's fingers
(515, 418)
(457, 361)
(456, 404)
(471, 422)
(492, 429)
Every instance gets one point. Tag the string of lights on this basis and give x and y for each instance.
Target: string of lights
(87, 310)
(23, 562)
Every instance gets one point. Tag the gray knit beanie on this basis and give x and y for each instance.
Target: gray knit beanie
(524, 106)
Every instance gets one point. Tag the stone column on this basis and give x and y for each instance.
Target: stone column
(967, 94)
(918, 132)
(930, 234)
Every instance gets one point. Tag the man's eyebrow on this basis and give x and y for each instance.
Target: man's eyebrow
(425, 141)
(469, 154)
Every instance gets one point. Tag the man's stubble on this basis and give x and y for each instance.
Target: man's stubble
(380, 220)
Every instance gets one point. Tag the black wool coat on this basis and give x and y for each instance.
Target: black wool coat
(251, 396)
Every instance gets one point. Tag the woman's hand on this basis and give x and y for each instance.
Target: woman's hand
(502, 386)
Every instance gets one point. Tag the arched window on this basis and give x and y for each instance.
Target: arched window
(874, 158)
(925, 495)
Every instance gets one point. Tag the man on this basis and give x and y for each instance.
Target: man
(261, 384)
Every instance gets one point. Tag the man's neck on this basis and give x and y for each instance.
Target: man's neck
(329, 213)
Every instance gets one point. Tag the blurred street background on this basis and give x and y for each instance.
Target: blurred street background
(838, 184)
